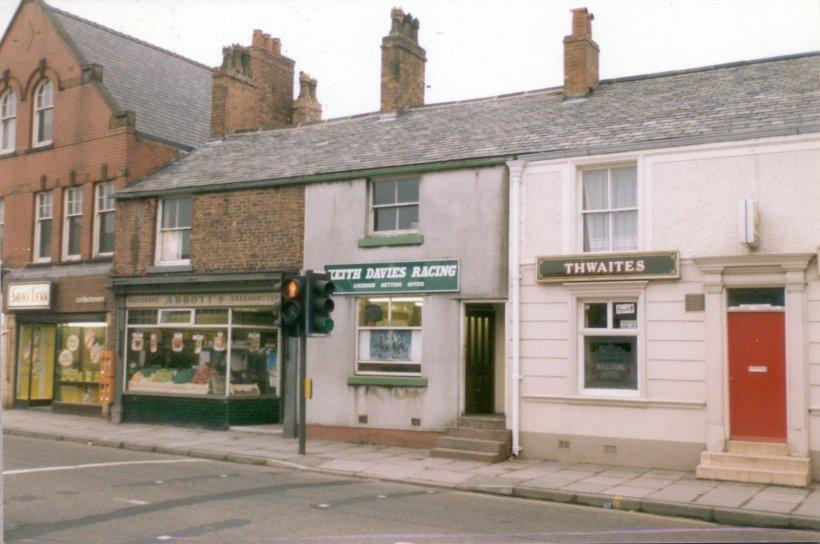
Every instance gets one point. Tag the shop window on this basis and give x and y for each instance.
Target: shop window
(389, 335)
(394, 205)
(35, 363)
(609, 347)
(77, 374)
(43, 113)
(202, 351)
(43, 215)
(174, 236)
(72, 223)
(8, 121)
(104, 218)
(609, 211)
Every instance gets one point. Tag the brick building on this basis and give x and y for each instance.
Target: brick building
(75, 129)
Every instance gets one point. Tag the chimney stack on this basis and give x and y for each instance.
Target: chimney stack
(402, 64)
(253, 88)
(580, 56)
(306, 108)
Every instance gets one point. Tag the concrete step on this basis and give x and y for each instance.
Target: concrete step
(793, 478)
(472, 444)
(762, 448)
(480, 456)
(481, 434)
(492, 421)
(757, 461)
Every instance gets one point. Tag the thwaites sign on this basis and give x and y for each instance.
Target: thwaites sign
(29, 296)
(398, 277)
(608, 266)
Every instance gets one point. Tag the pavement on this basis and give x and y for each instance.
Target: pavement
(662, 492)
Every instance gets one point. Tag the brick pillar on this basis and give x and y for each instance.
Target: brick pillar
(580, 56)
(9, 358)
(402, 64)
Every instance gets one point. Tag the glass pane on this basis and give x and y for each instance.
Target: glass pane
(263, 317)
(185, 250)
(624, 187)
(625, 315)
(46, 125)
(595, 190)
(406, 313)
(142, 317)
(106, 232)
(408, 217)
(184, 212)
(80, 353)
(393, 367)
(595, 315)
(385, 219)
(610, 362)
(45, 239)
(772, 296)
(211, 316)
(170, 245)
(596, 232)
(389, 345)
(175, 316)
(36, 362)
(408, 190)
(624, 231)
(373, 312)
(384, 192)
(23, 360)
(169, 213)
(254, 362)
(74, 233)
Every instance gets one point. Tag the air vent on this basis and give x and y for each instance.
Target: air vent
(695, 303)
(563, 444)
(610, 450)
(415, 421)
(362, 419)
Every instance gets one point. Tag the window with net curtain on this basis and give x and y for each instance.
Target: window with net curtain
(610, 209)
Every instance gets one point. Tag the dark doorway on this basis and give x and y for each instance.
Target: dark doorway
(480, 351)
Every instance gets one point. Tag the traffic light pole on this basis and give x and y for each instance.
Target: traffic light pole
(301, 388)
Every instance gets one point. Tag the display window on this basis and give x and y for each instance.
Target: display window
(609, 347)
(79, 351)
(202, 351)
(35, 362)
(389, 335)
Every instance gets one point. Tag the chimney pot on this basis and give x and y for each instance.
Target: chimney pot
(306, 108)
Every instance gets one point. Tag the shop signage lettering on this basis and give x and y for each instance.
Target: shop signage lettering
(608, 266)
(403, 277)
(202, 301)
(26, 296)
(89, 300)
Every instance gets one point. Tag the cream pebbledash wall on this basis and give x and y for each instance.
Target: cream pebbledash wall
(688, 201)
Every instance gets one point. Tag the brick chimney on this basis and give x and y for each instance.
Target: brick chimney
(580, 56)
(402, 64)
(306, 108)
(253, 88)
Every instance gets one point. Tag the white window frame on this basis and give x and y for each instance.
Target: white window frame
(2, 225)
(372, 207)
(581, 212)
(39, 209)
(100, 207)
(72, 207)
(159, 230)
(8, 120)
(43, 102)
(390, 297)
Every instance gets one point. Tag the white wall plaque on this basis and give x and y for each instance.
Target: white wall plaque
(29, 296)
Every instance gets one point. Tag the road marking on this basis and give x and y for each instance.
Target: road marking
(97, 465)
(133, 501)
(164, 537)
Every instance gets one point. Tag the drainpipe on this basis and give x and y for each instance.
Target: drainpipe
(516, 170)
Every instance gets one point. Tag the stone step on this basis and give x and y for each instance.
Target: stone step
(752, 460)
(483, 422)
(793, 478)
(762, 448)
(472, 444)
(503, 435)
(480, 456)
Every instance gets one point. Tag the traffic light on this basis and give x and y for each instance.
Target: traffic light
(318, 304)
(292, 308)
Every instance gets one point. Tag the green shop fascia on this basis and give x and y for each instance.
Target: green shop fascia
(209, 358)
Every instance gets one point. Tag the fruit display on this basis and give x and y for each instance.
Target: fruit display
(168, 380)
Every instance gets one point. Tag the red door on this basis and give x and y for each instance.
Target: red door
(757, 376)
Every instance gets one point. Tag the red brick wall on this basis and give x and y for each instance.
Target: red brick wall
(135, 236)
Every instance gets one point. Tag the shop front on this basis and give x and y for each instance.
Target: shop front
(203, 359)
(58, 333)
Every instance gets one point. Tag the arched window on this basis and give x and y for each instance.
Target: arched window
(8, 120)
(43, 113)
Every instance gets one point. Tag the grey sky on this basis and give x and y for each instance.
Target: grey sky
(474, 47)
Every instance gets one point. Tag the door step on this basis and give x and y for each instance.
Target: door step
(742, 465)
(476, 438)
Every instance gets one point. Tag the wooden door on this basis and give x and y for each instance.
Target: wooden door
(480, 351)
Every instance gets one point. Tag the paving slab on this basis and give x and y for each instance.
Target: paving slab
(724, 495)
(344, 465)
(665, 474)
(769, 506)
(652, 483)
(629, 491)
(440, 477)
(393, 471)
(679, 493)
(585, 487)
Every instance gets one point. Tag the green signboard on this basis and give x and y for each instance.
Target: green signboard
(401, 277)
(608, 266)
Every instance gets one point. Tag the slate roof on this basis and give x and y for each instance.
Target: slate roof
(749, 99)
(170, 94)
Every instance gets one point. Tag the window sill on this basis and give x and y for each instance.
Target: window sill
(395, 240)
(41, 147)
(7, 153)
(388, 381)
(168, 269)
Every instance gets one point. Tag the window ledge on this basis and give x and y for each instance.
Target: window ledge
(8, 153)
(41, 147)
(388, 381)
(167, 269)
(395, 240)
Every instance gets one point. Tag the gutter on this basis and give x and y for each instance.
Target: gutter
(516, 170)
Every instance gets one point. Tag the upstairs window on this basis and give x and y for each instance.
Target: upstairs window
(43, 113)
(610, 209)
(174, 237)
(72, 223)
(104, 218)
(395, 205)
(43, 215)
(8, 121)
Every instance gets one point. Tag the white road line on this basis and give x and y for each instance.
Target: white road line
(133, 501)
(96, 465)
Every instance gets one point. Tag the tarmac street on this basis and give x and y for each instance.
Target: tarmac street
(66, 492)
